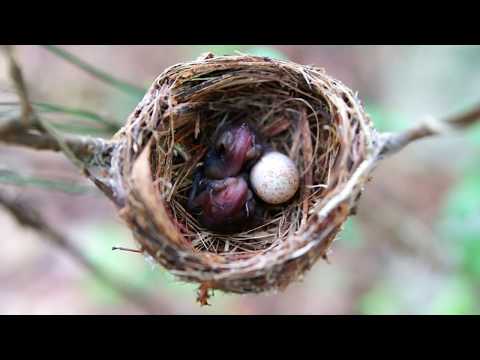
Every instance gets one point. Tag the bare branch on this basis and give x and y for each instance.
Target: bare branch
(395, 142)
(83, 152)
(84, 149)
(28, 217)
(33, 132)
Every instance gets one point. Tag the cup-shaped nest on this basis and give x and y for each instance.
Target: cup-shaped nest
(298, 110)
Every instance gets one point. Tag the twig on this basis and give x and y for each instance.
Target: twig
(307, 161)
(138, 251)
(85, 149)
(28, 217)
(17, 77)
(392, 143)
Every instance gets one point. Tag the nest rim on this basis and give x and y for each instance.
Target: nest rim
(274, 267)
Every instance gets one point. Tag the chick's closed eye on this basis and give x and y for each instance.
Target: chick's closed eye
(234, 147)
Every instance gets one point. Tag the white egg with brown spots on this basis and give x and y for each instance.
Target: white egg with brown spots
(275, 178)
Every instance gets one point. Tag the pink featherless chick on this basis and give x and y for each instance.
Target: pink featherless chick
(236, 146)
(224, 205)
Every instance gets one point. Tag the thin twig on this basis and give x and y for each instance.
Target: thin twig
(392, 143)
(28, 217)
(307, 151)
(17, 77)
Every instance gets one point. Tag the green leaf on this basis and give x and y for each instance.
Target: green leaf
(97, 73)
(8, 177)
(83, 114)
(76, 120)
(73, 127)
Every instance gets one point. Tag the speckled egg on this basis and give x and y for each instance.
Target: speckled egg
(275, 178)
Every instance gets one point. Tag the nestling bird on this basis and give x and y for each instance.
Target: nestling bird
(236, 146)
(225, 205)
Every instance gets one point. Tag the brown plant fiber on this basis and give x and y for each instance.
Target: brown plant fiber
(299, 110)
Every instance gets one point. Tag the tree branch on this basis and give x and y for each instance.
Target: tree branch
(33, 132)
(13, 132)
(84, 152)
(17, 77)
(392, 143)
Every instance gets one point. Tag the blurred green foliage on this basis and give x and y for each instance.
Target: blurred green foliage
(220, 50)
(383, 119)
(266, 51)
(460, 221)
(380, 300)
(9, 177)
(440, 79)
(134, 270)
(129, 267)
(473, 136)
(455, 296)
(351, 234)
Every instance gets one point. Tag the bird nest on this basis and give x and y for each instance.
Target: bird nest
(299, 110)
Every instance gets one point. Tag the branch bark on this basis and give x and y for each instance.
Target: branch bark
(394, 142)
(13, 132)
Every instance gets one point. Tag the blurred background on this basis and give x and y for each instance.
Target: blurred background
(414, 247)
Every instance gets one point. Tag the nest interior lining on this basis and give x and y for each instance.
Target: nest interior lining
(286, 120)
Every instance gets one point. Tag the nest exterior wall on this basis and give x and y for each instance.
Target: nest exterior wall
(170, 104)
